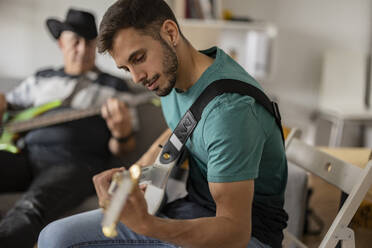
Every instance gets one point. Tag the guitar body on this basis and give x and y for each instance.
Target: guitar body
(8, 137)
(156, 177)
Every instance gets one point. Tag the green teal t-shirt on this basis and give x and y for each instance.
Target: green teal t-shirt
(236, 139)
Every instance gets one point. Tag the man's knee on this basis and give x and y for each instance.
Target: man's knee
(53, 235)
(72, 230)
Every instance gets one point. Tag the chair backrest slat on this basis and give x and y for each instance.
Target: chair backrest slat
(350, 206)
(349, 178)
(336, 172)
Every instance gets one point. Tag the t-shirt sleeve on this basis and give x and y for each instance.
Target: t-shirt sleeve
(234, 139)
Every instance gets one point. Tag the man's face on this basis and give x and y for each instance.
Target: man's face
(151, 62)
(78, 53)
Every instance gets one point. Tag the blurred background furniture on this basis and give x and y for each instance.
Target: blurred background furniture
(351, 179)
(339, 118)
(296, 192)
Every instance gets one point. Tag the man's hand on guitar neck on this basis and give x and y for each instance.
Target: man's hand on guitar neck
(3, 105)
(119, 121)
(102, 183)
(134, 213)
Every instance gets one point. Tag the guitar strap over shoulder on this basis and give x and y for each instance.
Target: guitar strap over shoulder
(175, 145)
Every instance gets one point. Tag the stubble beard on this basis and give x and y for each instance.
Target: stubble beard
(170, 63)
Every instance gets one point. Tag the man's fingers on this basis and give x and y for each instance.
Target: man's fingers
(143, 187)
(105, 111)
(136, 200)
(119, 110)
(104, 203)
(114, 108)
(117, 116)
(102, 183)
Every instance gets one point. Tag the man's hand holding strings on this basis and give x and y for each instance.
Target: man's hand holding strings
(117, 117)
(134, 214)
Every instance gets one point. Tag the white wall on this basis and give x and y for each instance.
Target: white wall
(306, 28)
(26, 44)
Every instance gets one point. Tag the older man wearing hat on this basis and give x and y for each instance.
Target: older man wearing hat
(55, 168)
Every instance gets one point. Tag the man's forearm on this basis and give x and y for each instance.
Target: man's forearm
(151, 154)
(202, 232)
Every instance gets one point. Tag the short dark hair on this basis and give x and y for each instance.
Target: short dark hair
(146, 16)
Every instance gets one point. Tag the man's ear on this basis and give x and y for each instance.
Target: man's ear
(170, 32)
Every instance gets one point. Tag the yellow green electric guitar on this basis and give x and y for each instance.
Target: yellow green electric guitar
(30, 119)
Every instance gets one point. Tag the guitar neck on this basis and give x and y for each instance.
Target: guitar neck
(70, 115)
(47, 120)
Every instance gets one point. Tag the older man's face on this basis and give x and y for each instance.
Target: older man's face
(78, 53)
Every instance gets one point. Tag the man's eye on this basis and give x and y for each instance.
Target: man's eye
(140, 58)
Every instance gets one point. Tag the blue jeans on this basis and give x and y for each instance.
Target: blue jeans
(84, 230)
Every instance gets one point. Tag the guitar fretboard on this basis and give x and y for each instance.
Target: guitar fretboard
(47, 120)
(132, 100)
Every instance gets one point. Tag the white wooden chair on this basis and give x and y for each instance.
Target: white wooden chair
(296, 191)
(349, 178)
(293, 132)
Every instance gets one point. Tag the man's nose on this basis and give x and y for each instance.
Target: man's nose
(82, 47)
(138, 76)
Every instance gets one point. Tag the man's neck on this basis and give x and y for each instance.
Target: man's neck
(73, 71)
(192, 65)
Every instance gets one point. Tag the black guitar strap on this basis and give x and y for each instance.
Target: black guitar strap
(175, 145)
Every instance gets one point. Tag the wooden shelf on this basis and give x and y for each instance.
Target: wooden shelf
(260, 26)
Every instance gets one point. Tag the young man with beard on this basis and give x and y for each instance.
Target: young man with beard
(238, 168)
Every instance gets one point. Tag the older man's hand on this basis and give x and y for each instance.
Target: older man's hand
(3, 105)
(117, 117)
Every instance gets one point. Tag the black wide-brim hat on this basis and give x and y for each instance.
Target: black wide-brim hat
(80, 22)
